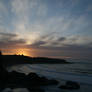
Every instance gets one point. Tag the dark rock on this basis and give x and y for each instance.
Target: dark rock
(3, 72)
(32, 76)
(63, 87)
(44, 81)
(43, 78)
(53, 82)
(70, 85)
(35, 90)
(15, 79)
(20, 80)
(34, 80)
(16, 76)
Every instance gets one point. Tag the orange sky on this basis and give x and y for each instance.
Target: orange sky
(19, 51)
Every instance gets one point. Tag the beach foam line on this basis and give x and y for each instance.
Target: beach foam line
(81, 78)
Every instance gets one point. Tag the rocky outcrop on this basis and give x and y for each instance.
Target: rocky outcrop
(30, 81)
(35, 90)
(70, 85)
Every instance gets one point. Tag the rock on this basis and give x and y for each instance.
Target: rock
(35, 90)
(43, 78)
(3, 72)
(53, 82)
(7, 90)
(70, 85)
(20, 80)
(44, 81)
(32, 79)
(15, 77)
(17, 74)
(1, 89)
(32, 76)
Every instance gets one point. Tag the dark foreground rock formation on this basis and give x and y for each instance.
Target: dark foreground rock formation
(70, 85)
(31, 81)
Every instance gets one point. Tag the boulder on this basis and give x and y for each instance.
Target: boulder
(53, 82)
(20, 80)
(44, 81)
(34, 80)
(32, 76)
(35, 90)
(15, 75)
(70, 85)
(74, 85)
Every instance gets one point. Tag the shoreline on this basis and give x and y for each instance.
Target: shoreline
(55, 88)
(82, 78)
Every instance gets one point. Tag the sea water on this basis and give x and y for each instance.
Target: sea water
(78, 66)
(79, 70)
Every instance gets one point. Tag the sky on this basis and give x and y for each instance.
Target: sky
(46, 28)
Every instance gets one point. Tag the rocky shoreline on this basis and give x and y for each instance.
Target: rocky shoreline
(20, 80)
(32, 82)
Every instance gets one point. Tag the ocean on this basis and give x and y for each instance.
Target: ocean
(79, 70)
(78, 66)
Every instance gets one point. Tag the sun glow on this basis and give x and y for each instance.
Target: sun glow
(22, 52)
(19, 51)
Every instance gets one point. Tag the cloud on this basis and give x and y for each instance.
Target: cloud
(27, 13)
(8, 34)
(72, 44)
(42, 10)
(62, 39)
(8, 40)
(67, 50)
(89, 9)
(78, 40)
(3, 9)
(54, 40)
(39, 43)
(4, 15)
(26, 10)
(20, 8)
(29, 24)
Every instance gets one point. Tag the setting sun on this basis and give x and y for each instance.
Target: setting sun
(22, 52)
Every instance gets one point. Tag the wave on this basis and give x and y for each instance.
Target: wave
(82, 78)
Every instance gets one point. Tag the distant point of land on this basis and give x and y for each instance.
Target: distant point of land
(21, 59)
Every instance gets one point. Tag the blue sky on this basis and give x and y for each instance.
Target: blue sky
(54, 28)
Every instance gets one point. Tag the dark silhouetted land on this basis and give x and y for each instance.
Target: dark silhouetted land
(20, 59)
